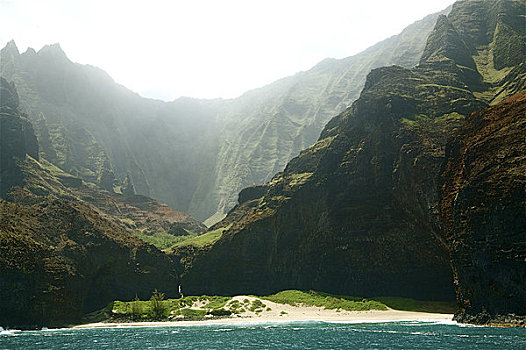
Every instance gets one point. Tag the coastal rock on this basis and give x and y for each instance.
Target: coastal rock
(484, 205)
(195, 155)
(60, 260)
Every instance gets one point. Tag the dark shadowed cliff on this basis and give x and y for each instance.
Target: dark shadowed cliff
(484, 205)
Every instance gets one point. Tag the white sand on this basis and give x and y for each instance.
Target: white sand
(293, 314)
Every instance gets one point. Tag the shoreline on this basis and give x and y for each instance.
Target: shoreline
(302, 314)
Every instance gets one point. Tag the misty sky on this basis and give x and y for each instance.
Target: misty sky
(205, 49)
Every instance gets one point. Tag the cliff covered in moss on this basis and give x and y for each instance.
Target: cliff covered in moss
(359, 212)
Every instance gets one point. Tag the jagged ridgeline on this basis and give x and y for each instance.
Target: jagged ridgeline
(194, 155)
(359, 212)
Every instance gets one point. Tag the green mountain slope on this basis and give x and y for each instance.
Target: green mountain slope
(63, 253)
(194, 155)
(267, 127)
(359, 212)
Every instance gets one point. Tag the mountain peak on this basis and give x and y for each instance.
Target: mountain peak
(445, 42)
(10, 48)
(54, 50)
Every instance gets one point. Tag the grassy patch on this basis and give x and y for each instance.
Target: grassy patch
(221, 306)
(162, 240)
(257, 306)
(327, 301)
(236, 307)
(204, 239)
(216, 302)
(448, 117)
(191, 313)
(299, 179)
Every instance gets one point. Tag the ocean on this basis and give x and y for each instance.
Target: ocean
(293, 335)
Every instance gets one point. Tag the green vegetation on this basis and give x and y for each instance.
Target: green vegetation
(191, 313)
(216, 302)
(328, 301)
(197, 307)
(202, 240)
(161, 240)
(157, 304)
(257, 306)
(136, 307)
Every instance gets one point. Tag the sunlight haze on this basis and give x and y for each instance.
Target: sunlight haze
(205, 49)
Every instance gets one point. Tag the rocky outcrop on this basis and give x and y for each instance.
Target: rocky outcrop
(16, 138)
(60, 260)
(359, 212)
(484, 205)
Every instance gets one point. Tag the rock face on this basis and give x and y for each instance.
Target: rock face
(194, 155)
(60, 260)
(61, 256)
(359, 212)
(484, 204)
(16, 138)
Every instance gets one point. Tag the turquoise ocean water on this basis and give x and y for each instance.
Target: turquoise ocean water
(294, 335)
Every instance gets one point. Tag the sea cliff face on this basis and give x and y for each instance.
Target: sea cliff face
(484, 205)
(360, 212)
(60, 260)
(16, 138)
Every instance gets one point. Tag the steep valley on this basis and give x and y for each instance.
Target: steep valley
(63, 251)
(397, 172)
(194, 155)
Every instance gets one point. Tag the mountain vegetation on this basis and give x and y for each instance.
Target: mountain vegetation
(194, 155)
(362, 211)
(63, 250)
(396, 175)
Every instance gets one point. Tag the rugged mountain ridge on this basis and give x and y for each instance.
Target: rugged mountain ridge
(360, 211)
(96, 130)
(16, 138)
(61, 257)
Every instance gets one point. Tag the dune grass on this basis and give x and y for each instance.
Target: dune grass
(197, 307)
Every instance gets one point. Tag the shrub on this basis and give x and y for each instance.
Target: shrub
(157, 304)
(220, 312)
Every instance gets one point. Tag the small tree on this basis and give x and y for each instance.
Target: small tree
(157, 304)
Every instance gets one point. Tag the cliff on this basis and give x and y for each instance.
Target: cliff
(484, 205)
(359, 212)
(60, 256)
(16, 138)
(194, 155)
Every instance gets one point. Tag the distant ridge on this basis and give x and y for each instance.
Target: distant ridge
(194, 155)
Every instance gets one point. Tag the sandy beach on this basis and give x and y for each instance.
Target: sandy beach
(275, 312)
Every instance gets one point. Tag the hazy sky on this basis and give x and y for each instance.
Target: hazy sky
(206, 48)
